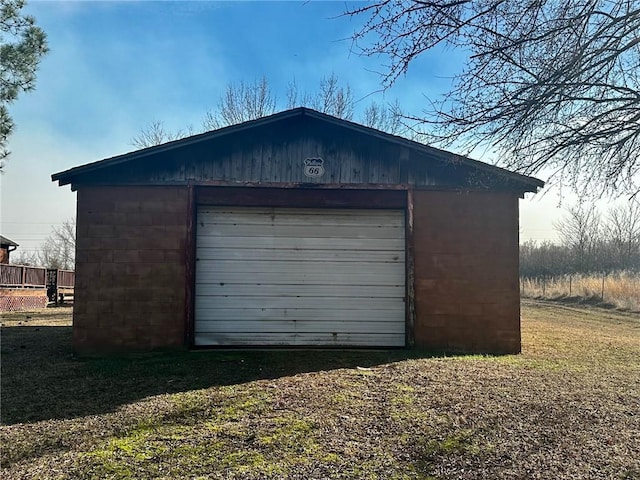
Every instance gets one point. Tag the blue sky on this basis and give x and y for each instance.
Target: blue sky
(116, 66)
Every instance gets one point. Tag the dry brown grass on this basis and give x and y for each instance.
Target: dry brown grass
(566, 408)
(621, 290)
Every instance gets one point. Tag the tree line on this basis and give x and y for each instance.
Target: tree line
(244, 101)
(590, 242)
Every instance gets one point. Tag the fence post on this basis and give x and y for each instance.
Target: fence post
(602, 292)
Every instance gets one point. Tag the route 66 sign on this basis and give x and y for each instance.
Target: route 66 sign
(313, 167)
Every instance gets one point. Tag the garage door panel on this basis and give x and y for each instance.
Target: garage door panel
(362, 304)
(310, 291)
(310, 243)
(287, 255)
(324, 339)
(300, 231)
(286, 216)
(363, 317)
(332, 269)
(292, 278)
(322, 318)
(339, 325)
(300, 277)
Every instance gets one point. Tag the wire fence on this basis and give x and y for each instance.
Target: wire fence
(620, 289)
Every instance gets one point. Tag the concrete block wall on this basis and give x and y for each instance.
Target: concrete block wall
(130, 268)
(466, 271)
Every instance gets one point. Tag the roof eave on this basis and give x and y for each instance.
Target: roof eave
(66, 177)
(7, 242)
(439, 154)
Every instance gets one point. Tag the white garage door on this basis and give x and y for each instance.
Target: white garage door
(318, 277)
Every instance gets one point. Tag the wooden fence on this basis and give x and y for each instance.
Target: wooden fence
(21, 276)
(23, 287)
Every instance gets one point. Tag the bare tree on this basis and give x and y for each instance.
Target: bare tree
(543, 259)
(155, 133)
(331, 97)
(59, 249)
(580, 231)
(25, 257)
(546, 84)
(623, 231)
(295, 98)
(242, 102)
(387, 119)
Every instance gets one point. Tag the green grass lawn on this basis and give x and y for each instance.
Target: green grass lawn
(567, 407)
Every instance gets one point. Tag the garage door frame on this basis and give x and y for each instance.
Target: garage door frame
(297, 198)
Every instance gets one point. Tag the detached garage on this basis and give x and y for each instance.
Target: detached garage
(298, 229)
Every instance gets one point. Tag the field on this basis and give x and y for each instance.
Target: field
(568, 407)
(619, 290)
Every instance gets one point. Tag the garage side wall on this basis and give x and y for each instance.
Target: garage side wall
(466, 272)
(130, 268)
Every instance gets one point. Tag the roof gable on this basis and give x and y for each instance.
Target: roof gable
(293, 121)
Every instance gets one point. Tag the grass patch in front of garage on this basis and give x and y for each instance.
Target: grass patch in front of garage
(565, 408)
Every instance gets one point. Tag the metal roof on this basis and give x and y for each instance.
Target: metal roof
(65, 177)
(7, 242)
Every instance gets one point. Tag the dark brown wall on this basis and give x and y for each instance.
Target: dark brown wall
(4, 255)
(130, 268)
(466, 272)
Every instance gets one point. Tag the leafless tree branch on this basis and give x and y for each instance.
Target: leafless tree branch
(547, 84)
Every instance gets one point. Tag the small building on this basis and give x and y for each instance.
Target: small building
(297, 229)
(6, 247)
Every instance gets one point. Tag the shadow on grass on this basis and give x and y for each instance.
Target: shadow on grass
(41, 380)
(590, 301)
